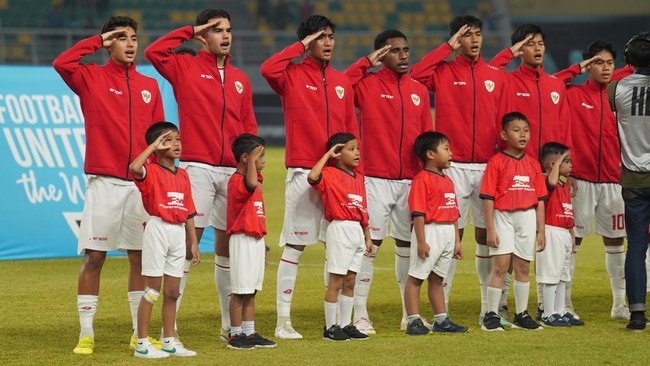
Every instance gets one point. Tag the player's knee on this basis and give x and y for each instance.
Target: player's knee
(150, 295)
(172, 293)
(94, 261)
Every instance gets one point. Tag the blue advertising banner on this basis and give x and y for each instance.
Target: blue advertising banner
(42, 145)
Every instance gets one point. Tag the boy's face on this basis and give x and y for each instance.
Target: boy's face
(533, 52)
(397, 59)
(350, 154)
(123, 50)
(219, 39)
(470, 43)
(516, 134)
(173, 141)
(441, 158)
(322, 47)
(601, 71)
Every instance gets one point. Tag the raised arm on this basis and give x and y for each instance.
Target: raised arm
(137, 165)
(315, 173)
(358, 70)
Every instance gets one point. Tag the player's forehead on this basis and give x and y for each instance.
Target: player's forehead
(605, 55)
(126, 29)
(224, 23)
(397, 42)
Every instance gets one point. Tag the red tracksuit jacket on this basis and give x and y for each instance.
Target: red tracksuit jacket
(470, 99)
(118, 105)
(211, 111)
(542, 99)
(317, 100)
(393, 111)
(596, 148)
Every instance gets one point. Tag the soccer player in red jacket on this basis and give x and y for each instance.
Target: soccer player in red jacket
(470, 99)
(215, 105)
(538, 95)
(118, 104)
(393, 111)
(317, 102)
(596, 174)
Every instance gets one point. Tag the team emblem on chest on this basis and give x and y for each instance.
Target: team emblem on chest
(416, 99)
(239, 87)
(555, 97)
(340, 91)
(146, 96)
(489, 85)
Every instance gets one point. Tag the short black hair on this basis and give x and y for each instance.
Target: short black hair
(637, 51)
(339, 138)
(523, 30)
(457, 22)
(157, 129)
(429, 140)
(205, 15)
(383, 37)
(245, 144)
(551, 149)
(596, 47)
(313, 24)
(512, 116)
(119, 21)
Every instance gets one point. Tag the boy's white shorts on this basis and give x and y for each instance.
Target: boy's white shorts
(552, 264)
(247, 255)
(345, 247)
(163, 248)
(517, 231)
(441, 238)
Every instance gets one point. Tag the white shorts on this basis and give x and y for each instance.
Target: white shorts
(303, 210)
(517, 231)
(113, 215)
(209, 188)
(602, 201)
(345, 247)
(246, 263)
(467, 178)
(388, 202)
(163, 248)
(441, 238)
(552, 264)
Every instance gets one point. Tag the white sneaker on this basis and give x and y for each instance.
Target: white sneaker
(285, 331)
(224, 335)
(364, 325)
(621, 312)
(175, 349)
(149, 351)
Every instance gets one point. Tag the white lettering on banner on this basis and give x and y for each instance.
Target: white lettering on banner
(46, 147)
(40, 109)
(36, 193)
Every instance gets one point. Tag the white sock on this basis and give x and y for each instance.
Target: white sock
(493, 295)
(362, 285)
(439, 318)
(505, 289)
(448, 281)
(402, 261)
(236, 330)
(87, 306)
(330, 313)
(615, 263)
(549, 290)
(134, 301)
(483, 268)
(521, 290)
(560, 303)
(167, 342)
(568, 284)
(248, 327)
(224, 289)
(326, 275)
(345, 304)
(287, 273)
(181, 287)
